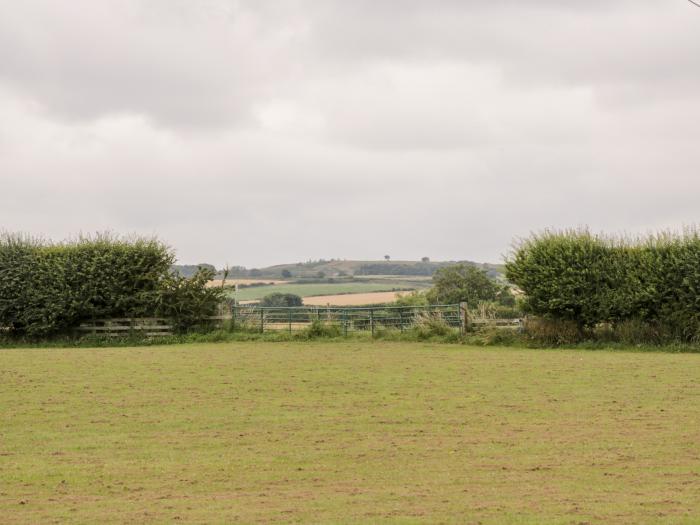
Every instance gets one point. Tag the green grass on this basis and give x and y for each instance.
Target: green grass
(348, 432)
(311, 289)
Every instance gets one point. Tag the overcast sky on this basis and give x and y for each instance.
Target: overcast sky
(260, 132)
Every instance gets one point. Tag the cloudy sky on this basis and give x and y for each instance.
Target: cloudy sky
(257, 132)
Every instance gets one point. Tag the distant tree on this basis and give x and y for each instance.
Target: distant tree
(505, 296)
(255, 273)
(462, 283)
(321, 274)
(425, 259)
(387, 257)
(286, 274)
(281, 299)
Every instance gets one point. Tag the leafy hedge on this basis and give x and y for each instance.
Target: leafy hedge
(47, 288)
(590, 279)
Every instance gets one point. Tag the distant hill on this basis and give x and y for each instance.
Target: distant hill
(343, 268)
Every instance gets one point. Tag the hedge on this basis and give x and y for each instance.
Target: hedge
(47, 287)
(591, 279)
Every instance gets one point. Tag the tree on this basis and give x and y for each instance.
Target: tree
(281, 299)
(387, 257)
(462, 283)
(425, 259)
(286, 274)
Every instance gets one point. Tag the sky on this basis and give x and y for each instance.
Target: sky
(261, 132)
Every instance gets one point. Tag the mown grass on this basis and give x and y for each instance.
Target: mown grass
(354, 431)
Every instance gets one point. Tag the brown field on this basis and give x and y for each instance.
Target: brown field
(353, 299)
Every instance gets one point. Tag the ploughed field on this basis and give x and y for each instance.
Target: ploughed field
(352, 431)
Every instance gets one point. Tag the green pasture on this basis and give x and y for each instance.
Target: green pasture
(307, 290)
(348, 432)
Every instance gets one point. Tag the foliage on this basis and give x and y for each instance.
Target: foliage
(430, 324)
(589, 279)
(189, 270)
(48, 288)
(281, 299)
(415, 298)
(188, 301)
(321, 329)
(463, 283)
(495, 310)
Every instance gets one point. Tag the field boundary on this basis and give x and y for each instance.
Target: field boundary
(119, 327)
(354, 319)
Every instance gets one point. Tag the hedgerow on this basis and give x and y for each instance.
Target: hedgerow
(591, 279)
(48, 288)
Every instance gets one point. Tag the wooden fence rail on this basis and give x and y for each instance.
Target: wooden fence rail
(148, 326)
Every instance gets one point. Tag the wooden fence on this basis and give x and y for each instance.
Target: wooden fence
(148, 326)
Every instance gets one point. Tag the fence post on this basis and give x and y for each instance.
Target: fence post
(289, 313)
(371, 320)
(345, 322)
(233, 318)
(401, 319)
(463, 318)
(262, 321)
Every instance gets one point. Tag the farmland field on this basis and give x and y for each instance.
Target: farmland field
(353, 299)
(313, 289)
(348, 432)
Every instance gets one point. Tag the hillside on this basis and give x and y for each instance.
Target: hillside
(341, 268)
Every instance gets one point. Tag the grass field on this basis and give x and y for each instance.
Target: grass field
(348, 432)
(313, 289)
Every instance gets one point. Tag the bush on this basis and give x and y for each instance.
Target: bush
(188, 302)
(463, 283)
(321, 329)
(429, 324)
(589, 280)
(281, 300)
(48, 288)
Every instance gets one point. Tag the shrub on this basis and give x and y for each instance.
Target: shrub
(281, 300)
(429, 324)
(553, 331)
(589, 279)
(321, 329)
(188, 302)
(462, 283)
(48, 288)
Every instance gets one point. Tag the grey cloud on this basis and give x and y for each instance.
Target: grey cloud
(257, 132)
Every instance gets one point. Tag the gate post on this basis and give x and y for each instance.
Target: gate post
(463, 318)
